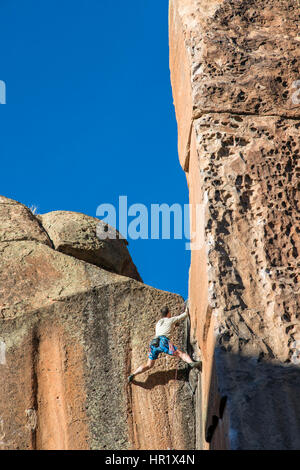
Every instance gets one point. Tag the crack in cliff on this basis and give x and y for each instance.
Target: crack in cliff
(199, 114)
(133, 435)
(34, 382)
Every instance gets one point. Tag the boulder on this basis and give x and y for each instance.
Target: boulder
(19, 223)
(75, 234)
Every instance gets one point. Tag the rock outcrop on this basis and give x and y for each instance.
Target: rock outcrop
(70, 333)
(76, 235)
(235, 78)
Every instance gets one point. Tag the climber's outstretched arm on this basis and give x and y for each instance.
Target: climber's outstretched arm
(180, 317)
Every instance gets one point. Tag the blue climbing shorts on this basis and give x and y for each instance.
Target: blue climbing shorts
(165, 346)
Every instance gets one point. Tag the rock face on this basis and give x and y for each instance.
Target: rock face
(235, 78)
(70, 333)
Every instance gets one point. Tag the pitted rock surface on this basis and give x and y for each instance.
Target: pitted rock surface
(235, 78)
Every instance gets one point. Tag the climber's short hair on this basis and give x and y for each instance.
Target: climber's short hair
(164, 311)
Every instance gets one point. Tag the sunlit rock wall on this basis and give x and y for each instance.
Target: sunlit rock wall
(235, 77)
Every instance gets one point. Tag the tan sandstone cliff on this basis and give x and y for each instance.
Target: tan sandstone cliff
(235, 77)
(75, 317)
(72, 328)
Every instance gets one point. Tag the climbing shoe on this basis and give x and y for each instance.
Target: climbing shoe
(197, 364)
(130, 378)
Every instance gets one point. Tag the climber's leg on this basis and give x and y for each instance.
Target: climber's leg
(142, 369)
(169, 348)
(184, 356)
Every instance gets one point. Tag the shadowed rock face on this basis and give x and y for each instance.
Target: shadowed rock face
(70, 334)
(235, 71)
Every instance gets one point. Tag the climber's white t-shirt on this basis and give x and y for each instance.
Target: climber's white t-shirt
(164, 325)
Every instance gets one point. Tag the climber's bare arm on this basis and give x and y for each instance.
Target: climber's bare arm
(179, 318)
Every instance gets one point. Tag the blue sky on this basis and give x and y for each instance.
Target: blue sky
(90, 116)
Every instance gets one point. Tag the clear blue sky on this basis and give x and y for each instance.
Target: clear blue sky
(90, 116)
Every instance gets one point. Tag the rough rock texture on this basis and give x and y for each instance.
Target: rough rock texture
(70, 334)
(18, 223)
(75, 234)
(235, 71)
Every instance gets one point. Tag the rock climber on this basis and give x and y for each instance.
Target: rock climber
(162, 344)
